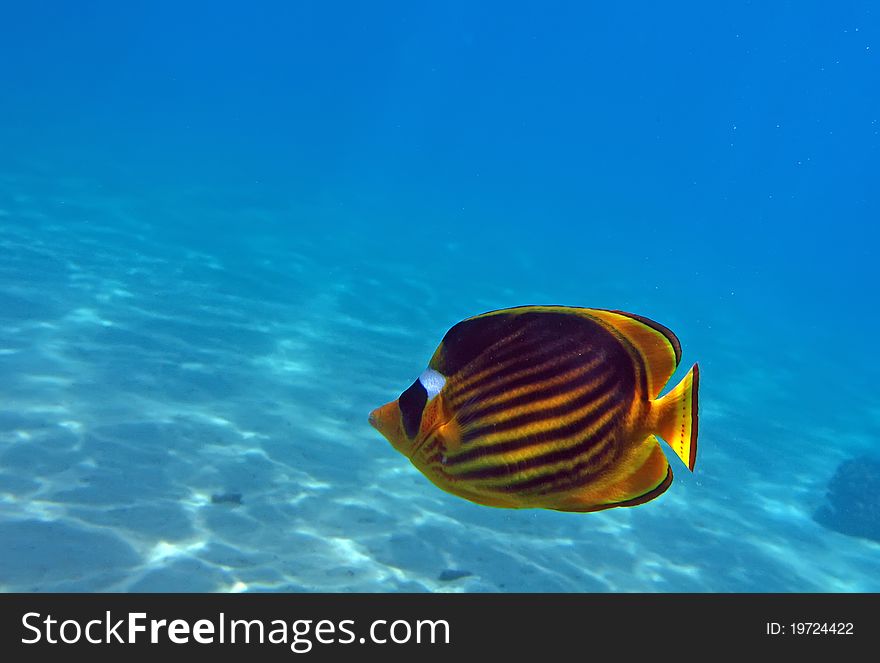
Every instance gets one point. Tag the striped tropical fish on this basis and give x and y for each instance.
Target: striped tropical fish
(548, 407)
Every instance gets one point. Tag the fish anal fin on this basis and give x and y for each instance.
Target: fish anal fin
(650, 479)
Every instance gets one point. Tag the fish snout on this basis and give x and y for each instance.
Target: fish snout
(386, 420)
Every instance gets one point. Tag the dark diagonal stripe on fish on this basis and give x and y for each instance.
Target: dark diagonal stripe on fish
(567, 403)
(511, 399)
(583, 449)
(570, 477)
(524, 361)
(577, 430)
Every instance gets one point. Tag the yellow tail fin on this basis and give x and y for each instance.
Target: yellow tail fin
(677, 417)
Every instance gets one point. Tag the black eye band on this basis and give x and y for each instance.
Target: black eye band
(412, 404)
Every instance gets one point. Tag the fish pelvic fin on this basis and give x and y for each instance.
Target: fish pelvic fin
(676, 417)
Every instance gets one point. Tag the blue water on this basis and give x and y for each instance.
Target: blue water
(227, 232)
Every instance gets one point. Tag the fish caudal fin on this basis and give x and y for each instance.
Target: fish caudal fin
(676, 417)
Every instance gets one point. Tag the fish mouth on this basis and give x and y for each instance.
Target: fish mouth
(383, 419)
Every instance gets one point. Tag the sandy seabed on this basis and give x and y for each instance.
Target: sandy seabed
(184, 418)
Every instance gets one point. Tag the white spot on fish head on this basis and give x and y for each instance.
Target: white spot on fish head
(432, 381)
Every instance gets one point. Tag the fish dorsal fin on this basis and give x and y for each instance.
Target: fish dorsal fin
(656, 345)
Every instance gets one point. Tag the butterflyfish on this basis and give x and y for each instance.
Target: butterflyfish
(549, 407)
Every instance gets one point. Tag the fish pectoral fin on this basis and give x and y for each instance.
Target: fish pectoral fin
(648, 480)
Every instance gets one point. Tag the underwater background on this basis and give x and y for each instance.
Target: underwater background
(230, 230)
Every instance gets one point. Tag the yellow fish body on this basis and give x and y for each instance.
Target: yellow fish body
(548, 407)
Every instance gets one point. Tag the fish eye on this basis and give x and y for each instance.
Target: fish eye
(412, 403)
(413, 400)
